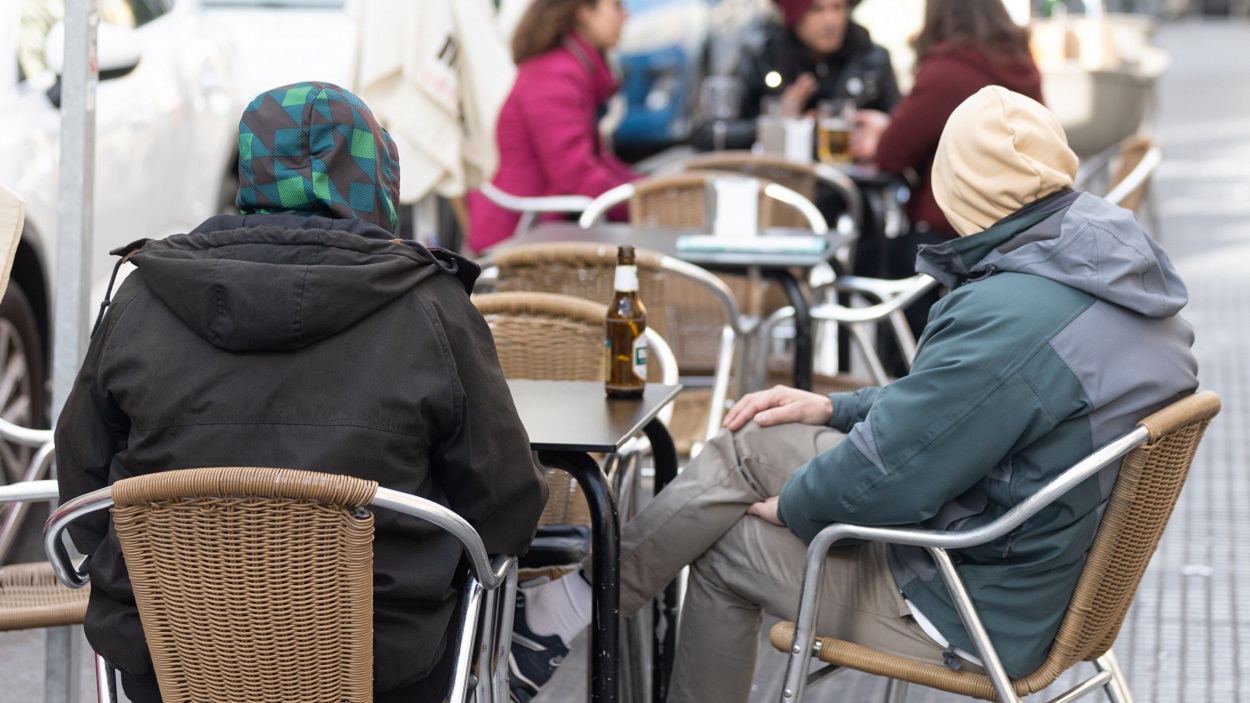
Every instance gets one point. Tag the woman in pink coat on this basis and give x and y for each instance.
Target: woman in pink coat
(548, 138)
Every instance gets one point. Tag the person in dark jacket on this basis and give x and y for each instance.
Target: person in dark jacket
(1061, 332)
(964, 46)
(817, 54)
(302, 334)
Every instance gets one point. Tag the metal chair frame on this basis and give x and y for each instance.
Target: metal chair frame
(892, 296)
(1139, 156)
(481, 607)
(531, 207)
(734, 330)
(764, 166)
(622, 193)
(1194, 410)
(39, 466)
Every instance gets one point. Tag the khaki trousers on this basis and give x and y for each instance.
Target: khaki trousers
(742, 566)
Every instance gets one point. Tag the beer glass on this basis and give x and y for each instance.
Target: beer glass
(834, 119)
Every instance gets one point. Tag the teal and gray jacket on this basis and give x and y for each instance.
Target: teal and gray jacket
(1060, 333)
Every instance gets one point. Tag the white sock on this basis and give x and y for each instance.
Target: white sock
(560, 607)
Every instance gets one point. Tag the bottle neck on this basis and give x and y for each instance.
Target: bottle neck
(626, 279)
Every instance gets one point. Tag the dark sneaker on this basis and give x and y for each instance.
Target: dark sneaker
(534, 658)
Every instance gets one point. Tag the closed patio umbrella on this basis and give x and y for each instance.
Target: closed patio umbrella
(436, 73)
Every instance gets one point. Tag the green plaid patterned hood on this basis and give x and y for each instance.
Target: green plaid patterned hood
(316, 149)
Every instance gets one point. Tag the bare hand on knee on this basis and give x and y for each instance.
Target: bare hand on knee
(767, 511)
(780, 405)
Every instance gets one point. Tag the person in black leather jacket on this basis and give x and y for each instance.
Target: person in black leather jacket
(817, 53)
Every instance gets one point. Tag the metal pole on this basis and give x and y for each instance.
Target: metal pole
(79, 77)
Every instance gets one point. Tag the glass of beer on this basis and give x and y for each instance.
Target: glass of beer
(834, 119)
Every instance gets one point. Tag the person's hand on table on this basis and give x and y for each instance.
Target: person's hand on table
(794, 98)
(779, 405)
(766, 510)
(869, 126)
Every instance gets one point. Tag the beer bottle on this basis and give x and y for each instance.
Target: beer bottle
(624, 325)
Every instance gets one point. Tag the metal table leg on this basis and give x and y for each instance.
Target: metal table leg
(799, 299)
(606, 562)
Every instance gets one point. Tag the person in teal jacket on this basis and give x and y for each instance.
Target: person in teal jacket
(1061, 331)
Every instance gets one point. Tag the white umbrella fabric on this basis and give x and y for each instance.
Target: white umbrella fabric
(12, 215)
(436, 74)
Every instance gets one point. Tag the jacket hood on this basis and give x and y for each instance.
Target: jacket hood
(999, 151)
(279, 283)
(316, 149)
(1077, 239)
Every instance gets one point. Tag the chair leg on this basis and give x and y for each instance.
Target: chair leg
(1117, 690)
(895, 691)
(105, 681)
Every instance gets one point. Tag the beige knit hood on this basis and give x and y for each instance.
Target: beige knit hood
(999, 152)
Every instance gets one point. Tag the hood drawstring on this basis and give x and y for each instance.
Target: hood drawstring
(108, 292)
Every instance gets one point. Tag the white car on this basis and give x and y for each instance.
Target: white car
(279, 42)
(166, 134)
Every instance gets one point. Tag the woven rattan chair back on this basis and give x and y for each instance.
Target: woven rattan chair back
(253, 585)
(546, 336)
(549, 337)
(682, 200)
(588, 271)
(1146, 490)
(801, 178)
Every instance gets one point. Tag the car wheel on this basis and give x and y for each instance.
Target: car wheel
(22, 402)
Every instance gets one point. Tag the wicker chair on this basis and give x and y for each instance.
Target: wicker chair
(681, 199)
(1122, 172)
(552, 337)
(257, 584)
(804, 179)
(30, 595)
(1156, 459)
(677, 296)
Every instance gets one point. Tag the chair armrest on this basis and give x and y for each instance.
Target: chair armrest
(811, 213)
(1010, 520)
(24, 491)
(54, 531)
(606, 201)
(883, 289)
(1136, 177)
(894, 296)
(545, 203)
(24, 436)
(491, 573)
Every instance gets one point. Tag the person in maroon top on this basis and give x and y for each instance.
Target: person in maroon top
(548, 137)
(964, 46)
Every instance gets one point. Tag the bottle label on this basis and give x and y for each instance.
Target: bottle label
(626, 278)
(640, 357)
